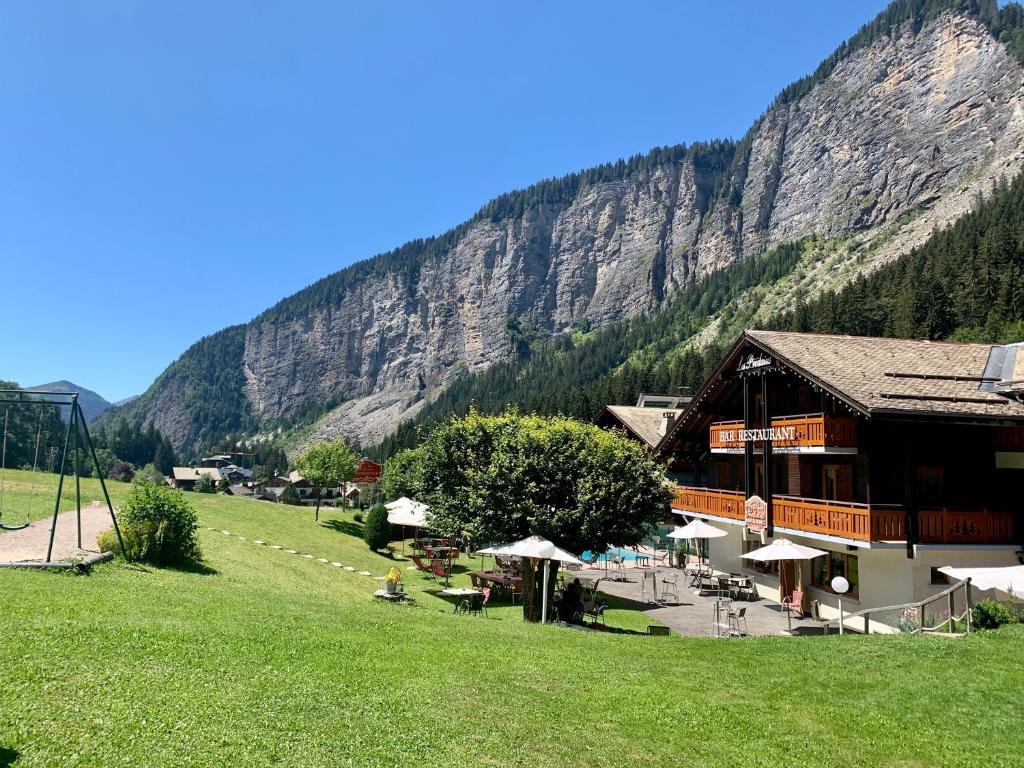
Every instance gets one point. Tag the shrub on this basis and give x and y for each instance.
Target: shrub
(291, 496)
(205, 484)
(121, 470)
(223, 484)
(377, 531)
(989, 614)
(148, 474)
(158, 526)
(358, 517)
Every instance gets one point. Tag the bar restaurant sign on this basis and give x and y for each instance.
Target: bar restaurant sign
(772, 434)
(755, 514)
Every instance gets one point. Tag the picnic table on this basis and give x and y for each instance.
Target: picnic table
(498, 577)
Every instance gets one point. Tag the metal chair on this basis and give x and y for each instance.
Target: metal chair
(670, 587)
(733, 618)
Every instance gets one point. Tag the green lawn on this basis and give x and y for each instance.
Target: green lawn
(30, 495)
(275, 659)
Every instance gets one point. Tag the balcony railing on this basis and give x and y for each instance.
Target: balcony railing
(840, 518)
(815, 430)
(709, 501)
(942, 526)
(858, 522)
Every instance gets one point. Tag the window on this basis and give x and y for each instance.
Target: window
(830, 481)
(824, 569)
(772, 566)
(931, 482)
(837, 482)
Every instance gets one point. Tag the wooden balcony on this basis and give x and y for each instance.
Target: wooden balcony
(941, 526)
(811, 433)
(857, 522)
(844, 519)
(709, 501)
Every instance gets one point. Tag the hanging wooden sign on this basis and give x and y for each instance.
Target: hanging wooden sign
(755, 514)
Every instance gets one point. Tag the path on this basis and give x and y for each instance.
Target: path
(30, 543)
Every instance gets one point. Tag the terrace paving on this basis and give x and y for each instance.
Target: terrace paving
(693, 614)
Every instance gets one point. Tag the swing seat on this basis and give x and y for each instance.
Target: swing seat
(5, 527)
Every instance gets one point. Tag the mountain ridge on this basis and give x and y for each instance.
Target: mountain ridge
(890, 137)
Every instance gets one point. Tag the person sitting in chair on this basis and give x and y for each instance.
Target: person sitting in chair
(570, 607)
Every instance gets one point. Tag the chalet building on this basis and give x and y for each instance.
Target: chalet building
(895, 456)
(648, 421)
(185, 478)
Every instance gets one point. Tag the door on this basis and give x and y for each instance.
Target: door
(787, 579)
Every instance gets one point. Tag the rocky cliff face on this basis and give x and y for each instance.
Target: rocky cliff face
(900, 138)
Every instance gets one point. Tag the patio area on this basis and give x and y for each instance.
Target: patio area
(694, 612)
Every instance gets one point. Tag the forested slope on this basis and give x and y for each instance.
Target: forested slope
(965, 283)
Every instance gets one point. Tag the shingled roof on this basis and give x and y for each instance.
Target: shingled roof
(642, 422)
(896, 375)
(881, 377)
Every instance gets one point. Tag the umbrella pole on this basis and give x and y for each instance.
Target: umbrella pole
(544, 598)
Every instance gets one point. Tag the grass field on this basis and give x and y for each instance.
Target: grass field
(276, 659)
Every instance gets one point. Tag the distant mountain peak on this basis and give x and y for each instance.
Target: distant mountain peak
(93, 404)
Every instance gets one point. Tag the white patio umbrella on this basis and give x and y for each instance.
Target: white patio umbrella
(536, 548)
(784, 549)
(697, 529)
(406, 512)
(1007, 579)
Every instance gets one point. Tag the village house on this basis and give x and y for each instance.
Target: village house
(648, 421)
(185, 478)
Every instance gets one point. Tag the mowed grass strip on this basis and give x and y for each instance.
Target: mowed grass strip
(275, 659)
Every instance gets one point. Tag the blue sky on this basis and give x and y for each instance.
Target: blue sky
(171, 168)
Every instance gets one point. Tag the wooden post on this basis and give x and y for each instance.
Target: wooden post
(766, 457)
(967, 603)
(867, 623)
(748, 446)
(952, 611)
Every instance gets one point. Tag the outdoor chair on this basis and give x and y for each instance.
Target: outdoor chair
(743, 586)
(734, 616)
(420, 565)
(619, 569)
(516, 590)
(475, 580)
(595, 612)
(474, 604)
(439, 568)
(670, 587)
(480, 606)
(795, 602)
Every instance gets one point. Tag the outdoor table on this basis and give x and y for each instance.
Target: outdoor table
(459, 592)
(642, 560)
(653, 573)
(740, 583)
(718, 612)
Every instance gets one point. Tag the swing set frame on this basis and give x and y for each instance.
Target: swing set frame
(77, 427)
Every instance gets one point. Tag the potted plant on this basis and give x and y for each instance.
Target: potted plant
(392, 580)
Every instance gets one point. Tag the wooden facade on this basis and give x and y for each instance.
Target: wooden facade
(910, 443)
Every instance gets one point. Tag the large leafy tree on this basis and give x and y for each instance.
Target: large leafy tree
(501, 478)
(327, 465)
(403, 475)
